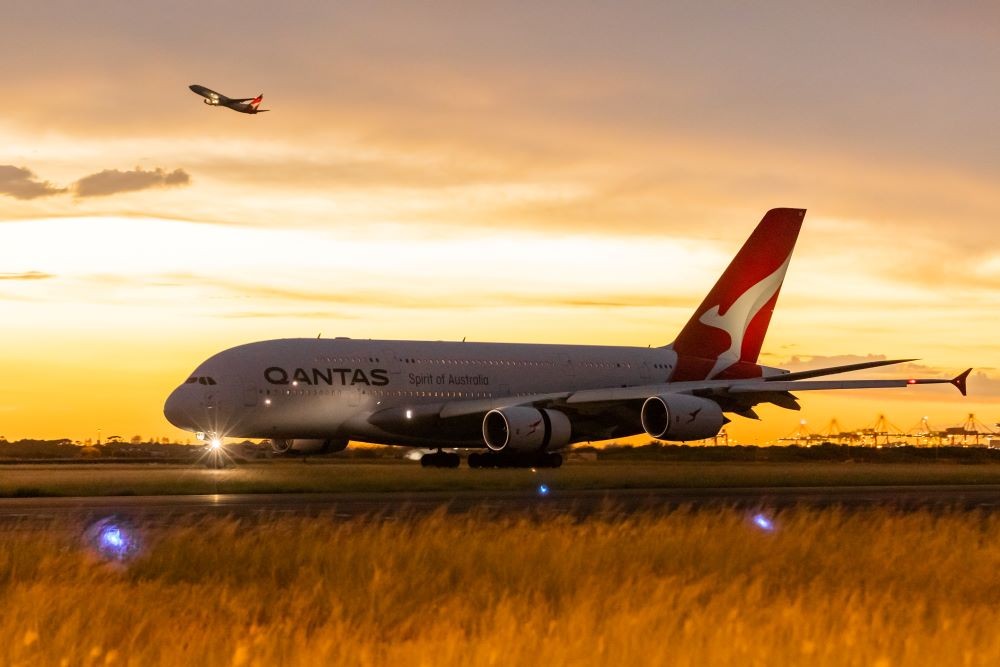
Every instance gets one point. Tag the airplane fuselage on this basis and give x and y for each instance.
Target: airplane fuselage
(316, 388)
(215, 99)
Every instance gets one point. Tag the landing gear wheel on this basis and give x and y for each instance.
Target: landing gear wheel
(440, 459)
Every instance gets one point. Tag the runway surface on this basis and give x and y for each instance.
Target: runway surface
(168, 509)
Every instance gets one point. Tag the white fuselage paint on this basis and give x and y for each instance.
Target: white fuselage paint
(343, 382)
(739, 316)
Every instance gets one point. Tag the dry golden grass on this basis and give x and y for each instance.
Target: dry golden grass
(826, 588)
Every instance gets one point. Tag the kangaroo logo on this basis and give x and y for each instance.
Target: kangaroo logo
(693, 415)
(738, 316)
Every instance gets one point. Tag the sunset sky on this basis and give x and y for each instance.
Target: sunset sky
(575, 172)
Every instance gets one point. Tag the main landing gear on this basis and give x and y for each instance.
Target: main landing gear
(440, 459)
(518, 460)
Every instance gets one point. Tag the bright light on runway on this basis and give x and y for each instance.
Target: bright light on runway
(112, 539)
(763, 522)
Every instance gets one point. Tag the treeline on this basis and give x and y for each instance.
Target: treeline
(64, 448)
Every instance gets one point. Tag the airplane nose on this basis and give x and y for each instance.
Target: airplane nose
(178, 407)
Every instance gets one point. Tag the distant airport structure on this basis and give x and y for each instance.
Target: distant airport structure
(243, 105)
(519, 403)
(883, 433)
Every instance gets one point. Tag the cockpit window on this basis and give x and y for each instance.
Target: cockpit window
(191, 380)
(200, 380)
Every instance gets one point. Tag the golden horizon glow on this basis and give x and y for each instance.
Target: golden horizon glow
(416, 182)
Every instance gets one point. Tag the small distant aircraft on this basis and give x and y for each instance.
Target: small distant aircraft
(244, 105)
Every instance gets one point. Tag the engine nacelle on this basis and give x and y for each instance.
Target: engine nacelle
(681, 417)
(300, 446)
(523, 429)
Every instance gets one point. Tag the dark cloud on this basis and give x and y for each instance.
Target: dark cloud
(21, 183)
(27, 275)
(113, 181)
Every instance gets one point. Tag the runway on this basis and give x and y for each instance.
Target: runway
(168, 509)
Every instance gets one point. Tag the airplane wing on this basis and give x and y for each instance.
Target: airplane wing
(613, 411)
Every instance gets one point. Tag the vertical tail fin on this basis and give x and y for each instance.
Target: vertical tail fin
(729, 326)
(255, 102)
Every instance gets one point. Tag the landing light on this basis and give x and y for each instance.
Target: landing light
(763, 522)
(215, 443)
(543, 489)
(409, 414)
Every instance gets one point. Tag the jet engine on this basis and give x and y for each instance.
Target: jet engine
(300, 446)
(523, 429)
(681, 417)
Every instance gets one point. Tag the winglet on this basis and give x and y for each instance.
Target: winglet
(959, 381)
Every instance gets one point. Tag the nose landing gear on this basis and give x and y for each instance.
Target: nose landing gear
(440, 459)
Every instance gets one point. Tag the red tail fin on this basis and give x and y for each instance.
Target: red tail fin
(255, 102)
(729, 326)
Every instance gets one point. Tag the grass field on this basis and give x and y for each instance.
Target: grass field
(824, 588)
(296, 476)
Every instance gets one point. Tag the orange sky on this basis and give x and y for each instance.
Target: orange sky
(574, 173)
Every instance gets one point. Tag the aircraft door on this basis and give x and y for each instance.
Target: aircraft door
(645, 373)
(566, 365)
(249, 394)
(390, 362)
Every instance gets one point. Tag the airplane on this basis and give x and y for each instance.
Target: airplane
(243, 105)
(518, 405)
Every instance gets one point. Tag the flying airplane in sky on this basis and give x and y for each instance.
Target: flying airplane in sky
(519, 404)
(243, 105)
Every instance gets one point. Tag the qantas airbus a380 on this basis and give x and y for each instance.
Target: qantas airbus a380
(519, 403)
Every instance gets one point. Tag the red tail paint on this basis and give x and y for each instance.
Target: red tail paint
(724, 336)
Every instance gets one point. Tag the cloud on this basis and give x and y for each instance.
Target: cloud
(806, 362)
(27, 275)
(229, 289)
(21, 183)
(113, 181)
